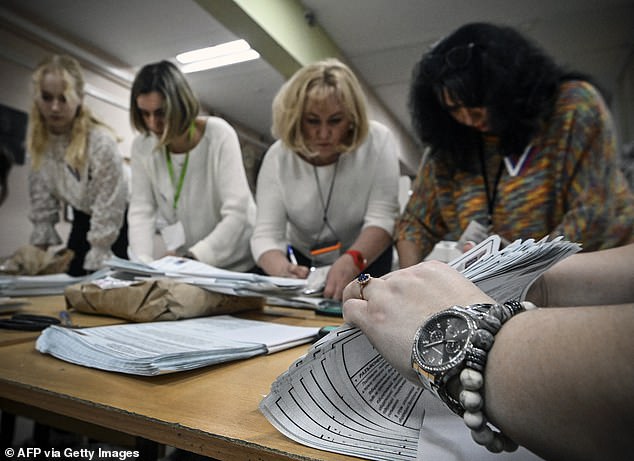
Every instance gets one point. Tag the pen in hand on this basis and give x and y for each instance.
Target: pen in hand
(291, 255)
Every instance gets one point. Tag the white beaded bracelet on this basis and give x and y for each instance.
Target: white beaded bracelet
(472, 402)
(472, 381)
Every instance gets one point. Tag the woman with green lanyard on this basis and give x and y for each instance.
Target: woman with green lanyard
(188, 180)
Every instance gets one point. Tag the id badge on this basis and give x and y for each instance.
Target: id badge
(173, 236)
(325, 253)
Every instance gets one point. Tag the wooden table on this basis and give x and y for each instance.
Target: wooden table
(212, 411)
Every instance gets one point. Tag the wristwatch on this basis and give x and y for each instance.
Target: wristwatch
(454, 339)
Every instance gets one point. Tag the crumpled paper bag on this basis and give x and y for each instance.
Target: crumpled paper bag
(31, 260)
(153, 300)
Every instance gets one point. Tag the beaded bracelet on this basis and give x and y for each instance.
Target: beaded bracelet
(472, 381)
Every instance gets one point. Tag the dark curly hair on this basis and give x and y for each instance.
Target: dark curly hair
(483, 65)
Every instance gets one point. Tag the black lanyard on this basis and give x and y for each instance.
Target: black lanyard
(325, 205)
(491, 193)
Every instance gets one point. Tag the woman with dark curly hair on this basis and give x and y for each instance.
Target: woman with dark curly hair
(519, 147)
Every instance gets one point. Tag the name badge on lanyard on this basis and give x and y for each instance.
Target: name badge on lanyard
(173, 236)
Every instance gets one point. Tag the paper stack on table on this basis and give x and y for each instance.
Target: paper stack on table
(165, 347)
(40, 285)
(281, 291)
(342, 396)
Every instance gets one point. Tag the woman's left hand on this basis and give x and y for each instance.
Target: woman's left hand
(395, 305)
(340, 274)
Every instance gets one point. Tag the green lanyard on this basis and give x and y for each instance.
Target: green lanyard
(170, 168)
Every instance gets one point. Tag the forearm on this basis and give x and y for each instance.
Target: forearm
(585, 279)
(558, 381)
(141, 230)
(227, 240)
(372, 242)
(409, 253)
(44, 213)
(106, 219)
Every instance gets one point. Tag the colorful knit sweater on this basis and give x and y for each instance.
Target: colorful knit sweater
(569, 185)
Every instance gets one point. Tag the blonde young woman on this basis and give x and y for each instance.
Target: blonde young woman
(75, 160)
(188, 179)
(327, 190)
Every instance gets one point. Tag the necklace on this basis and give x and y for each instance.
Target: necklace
(326, 204)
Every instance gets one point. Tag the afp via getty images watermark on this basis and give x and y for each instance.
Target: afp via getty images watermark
(89, 454)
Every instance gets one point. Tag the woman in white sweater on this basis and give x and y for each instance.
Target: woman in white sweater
(188, 179)
(327, 190)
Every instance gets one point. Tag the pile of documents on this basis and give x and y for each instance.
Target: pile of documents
(278, 291)
(40, 285)
(343, 397)
(165, 347)
(206, 276)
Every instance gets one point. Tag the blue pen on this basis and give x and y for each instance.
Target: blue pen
(291, 255)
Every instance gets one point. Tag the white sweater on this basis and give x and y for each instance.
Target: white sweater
(365, 193)
(215, 206)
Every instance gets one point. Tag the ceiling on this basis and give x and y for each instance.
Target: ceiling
(381, 40)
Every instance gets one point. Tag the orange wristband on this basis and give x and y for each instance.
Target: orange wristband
(358, 259)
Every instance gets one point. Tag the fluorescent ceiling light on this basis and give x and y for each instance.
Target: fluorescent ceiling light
(216, 56)
(247, 55)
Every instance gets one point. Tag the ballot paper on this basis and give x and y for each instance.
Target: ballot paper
(343, 397)
(155, 348)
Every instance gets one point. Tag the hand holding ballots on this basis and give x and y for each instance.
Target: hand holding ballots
(344, 397)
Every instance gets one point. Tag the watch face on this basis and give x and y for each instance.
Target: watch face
(440, 343)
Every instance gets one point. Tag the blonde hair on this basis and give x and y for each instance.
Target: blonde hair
(318, 81)
(181, 105)
(38, 136)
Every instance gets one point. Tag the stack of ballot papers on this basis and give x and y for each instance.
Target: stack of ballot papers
(278, 291)
(41, 285)
(343, 397)
(208, 277)
(165, 347)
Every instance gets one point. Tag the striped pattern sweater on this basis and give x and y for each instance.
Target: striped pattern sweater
(569, 184)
